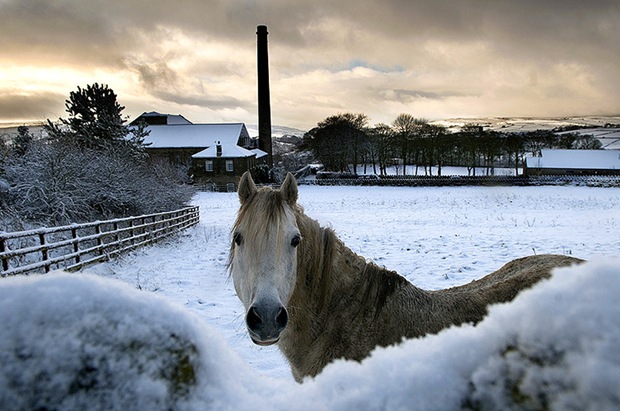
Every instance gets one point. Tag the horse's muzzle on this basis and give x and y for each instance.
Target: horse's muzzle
(265, 323)
(264, 343)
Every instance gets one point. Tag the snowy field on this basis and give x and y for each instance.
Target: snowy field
(436, 237)
(170, 334)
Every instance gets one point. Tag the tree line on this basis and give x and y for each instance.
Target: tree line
(345, 141)
(89, 166)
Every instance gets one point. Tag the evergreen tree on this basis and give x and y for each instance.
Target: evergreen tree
(95, 122)
(22, 141)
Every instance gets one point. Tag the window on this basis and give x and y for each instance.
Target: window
(229, 166)
(209, 165)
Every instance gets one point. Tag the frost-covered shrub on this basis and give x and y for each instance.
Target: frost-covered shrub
(77, 350)
(54, 184)
(560, 346)
(50, 183)
(77, 341)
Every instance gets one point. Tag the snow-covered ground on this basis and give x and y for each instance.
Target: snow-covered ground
(74, 341)
(436, 237)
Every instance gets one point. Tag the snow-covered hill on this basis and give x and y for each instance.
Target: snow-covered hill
(604, 128)
(517, 124)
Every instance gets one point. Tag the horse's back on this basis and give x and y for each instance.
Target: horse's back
(505, 283)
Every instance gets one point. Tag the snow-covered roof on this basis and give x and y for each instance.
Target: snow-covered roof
(228, 151)
(194, 135)
(259, 153)
(576, 159)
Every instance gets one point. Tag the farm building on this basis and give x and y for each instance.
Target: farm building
(574, 162)
(214, 153)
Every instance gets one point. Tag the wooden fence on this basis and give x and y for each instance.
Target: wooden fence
(74, 246)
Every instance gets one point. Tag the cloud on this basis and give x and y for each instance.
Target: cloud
(431, 56)
(35, 106)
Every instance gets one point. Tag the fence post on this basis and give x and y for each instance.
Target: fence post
(131, 232)
(76, 245)
(99, 238)
(5, 260)
(116, 237)
(146, 229)
(44, 255)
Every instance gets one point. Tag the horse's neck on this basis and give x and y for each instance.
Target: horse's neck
(324, 263)
(328, 271)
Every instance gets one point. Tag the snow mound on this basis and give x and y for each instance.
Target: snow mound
(83, 342)
(554, 347)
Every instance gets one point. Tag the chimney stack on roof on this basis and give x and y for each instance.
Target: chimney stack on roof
(264, 104)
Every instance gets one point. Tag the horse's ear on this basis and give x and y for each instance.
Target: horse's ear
(247, 188)
(289, 189)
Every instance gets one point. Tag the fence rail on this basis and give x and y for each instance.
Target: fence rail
(74, 246)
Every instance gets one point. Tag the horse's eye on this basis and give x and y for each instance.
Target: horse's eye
(296, 240)
(237, 238)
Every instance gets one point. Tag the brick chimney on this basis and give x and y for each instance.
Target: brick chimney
(264, 103)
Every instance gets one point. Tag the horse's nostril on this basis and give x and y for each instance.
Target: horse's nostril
(253, 319)
(267, 323)
(282, 318)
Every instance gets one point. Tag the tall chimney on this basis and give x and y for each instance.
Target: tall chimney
(264, 104)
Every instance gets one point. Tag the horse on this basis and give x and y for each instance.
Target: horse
(319, 301)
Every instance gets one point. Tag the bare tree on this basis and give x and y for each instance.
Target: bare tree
(381, 137)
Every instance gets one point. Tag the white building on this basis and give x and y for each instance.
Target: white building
(574, 162)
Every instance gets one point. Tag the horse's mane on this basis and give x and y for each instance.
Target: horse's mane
(324, 255)
(262, 208)
(380, 284)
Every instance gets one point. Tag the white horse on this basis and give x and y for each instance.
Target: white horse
(305, 290)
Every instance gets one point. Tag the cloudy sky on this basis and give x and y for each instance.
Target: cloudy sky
(434, 59)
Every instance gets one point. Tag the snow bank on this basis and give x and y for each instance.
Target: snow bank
(79, 341)
(554, 347)
(73, 342)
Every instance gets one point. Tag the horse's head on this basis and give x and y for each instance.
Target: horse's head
(263, 256)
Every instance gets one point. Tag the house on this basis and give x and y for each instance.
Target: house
(574, 162)
(215, 154)
(224, 162)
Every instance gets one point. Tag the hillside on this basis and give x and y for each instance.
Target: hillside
(605, 128)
